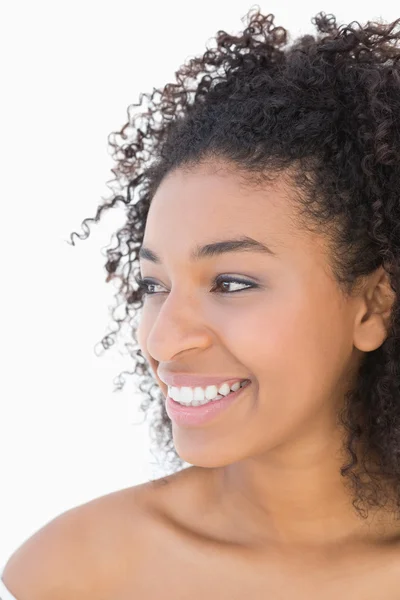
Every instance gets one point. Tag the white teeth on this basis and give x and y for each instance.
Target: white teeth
(225, 389)
(186, 395)
(173, 392)
(197, 396)
(211, 392)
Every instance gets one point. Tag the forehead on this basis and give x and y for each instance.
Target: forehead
(203, 202)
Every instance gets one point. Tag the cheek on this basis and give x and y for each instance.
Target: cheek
(297, 354)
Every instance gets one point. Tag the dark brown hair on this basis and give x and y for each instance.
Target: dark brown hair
(325, 108)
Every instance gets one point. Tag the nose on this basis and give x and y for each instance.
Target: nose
(179, 326)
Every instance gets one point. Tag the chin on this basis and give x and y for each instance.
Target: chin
(201, 455)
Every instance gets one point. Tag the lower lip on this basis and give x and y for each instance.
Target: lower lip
(198, 415)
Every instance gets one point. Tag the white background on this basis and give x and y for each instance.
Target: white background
(69, 70)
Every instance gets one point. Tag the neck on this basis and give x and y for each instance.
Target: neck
(298, 497)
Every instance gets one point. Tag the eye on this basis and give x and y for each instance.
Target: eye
(229, 280)
(146, 283)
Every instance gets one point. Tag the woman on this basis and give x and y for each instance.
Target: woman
(263, 248)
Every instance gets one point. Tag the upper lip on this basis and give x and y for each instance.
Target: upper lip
(192, 380)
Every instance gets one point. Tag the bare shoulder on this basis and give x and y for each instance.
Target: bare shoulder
(95, 549)
(79, 553)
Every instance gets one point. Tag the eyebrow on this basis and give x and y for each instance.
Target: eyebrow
(199, 252)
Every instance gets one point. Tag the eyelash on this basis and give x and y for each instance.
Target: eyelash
(143, 283)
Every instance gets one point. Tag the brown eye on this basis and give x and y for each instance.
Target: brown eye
(221, 280)
(146, 284)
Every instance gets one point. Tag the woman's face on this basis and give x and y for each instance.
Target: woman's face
(290, 334)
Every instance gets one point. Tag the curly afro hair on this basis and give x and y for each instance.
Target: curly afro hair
(327, 107)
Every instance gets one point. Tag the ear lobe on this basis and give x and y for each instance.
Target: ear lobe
(373, 320)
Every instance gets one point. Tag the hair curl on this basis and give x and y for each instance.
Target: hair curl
(327, 108)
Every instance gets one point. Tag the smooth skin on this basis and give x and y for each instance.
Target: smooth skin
(264, 512)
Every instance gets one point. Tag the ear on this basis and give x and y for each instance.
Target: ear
(374, 312)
